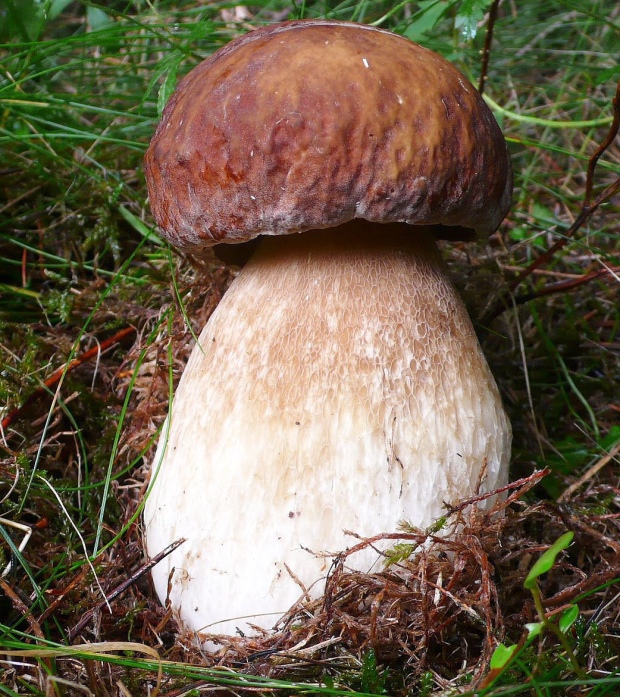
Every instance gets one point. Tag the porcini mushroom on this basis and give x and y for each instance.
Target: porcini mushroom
(339, 384)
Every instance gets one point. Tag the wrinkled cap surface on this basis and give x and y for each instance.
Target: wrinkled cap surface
(310, 124)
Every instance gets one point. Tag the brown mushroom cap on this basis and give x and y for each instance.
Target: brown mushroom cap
(310, 124)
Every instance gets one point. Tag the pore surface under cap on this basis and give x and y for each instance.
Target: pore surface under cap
(310, 124)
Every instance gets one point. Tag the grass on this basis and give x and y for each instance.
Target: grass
(81, 87)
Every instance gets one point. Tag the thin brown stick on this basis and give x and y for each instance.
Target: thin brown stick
(19, 605)
(57, 374)
(562, 286)
(568, 595)
(567, 493)
(61, 593)
(585, 213)
(486, 51)
(588, 208)
(611, 135)
(122, 587)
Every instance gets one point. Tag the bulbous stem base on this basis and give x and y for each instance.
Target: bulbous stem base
(338, 386)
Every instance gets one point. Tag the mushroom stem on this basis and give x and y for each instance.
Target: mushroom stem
(339, 385)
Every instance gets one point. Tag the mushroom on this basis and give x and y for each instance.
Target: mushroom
(339, 385)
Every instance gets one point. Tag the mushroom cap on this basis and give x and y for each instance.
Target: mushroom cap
(309, 124)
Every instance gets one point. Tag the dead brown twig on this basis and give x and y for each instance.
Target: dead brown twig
(122, 587)
(606, 459)
(486, 51)
(20, 607)
(570, 284)
(58, 374)
(589, 206)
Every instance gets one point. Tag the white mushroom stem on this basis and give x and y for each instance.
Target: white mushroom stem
(338, 386)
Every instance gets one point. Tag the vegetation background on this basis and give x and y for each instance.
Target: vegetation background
(97, 317)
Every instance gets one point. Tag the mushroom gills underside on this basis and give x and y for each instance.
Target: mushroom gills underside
(339, 385)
